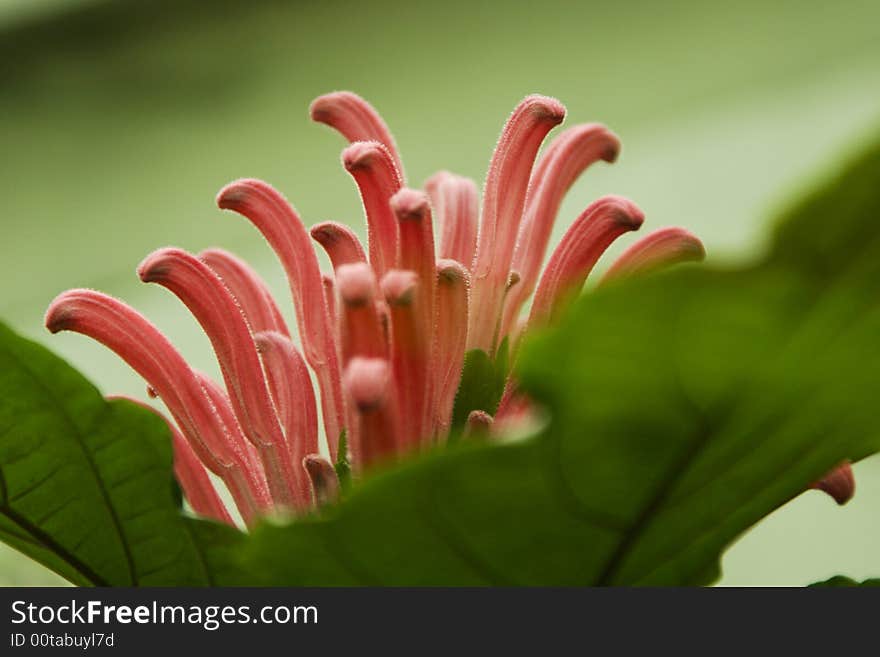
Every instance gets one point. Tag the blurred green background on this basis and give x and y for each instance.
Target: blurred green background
(121, 120)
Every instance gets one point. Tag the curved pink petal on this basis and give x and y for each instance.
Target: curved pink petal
(503, 203)
(248, 475)
(146, 350)
(340, 243)
(561, 164)
(378, 179)
(281, 226)
(581, 246)
(662, 248)
(140, 344)
(249, 290)
(456, 206)
(355, 119)
(202, 291)
(291, 388)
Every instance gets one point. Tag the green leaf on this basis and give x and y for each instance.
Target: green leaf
(86, 485)
(840, 581)
(482, 384)
(684, 407)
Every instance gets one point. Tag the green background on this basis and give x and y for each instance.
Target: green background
(121, 120)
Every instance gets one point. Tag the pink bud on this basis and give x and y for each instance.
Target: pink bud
(369, 384)
(340, 243)
(410, 351)
(355, 119)
(479, 424)
(360, 326)
(662, 248)
(378, 179)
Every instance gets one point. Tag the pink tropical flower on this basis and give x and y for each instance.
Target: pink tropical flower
(385, 334)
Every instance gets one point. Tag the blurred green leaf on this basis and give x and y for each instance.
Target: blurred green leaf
(86, 485)
(685, 407)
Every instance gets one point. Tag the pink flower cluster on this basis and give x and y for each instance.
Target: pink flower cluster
(385, 335)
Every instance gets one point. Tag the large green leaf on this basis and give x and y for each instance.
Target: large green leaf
(86, 485)
(684, 408)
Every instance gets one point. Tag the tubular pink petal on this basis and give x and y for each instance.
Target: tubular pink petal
(455, 201)
(369, 384)
(378, 179)
(248, 474)
(355, 119)
(503, 202)
(329, 284)
(283, 229)
(453, 289)
(248, 289)
(662, 248)
(416, 250)
(360, 323)
(581, 246)
(189, 472)
(561, 164)
(409, 354)
(202, 291)
(416, 253)
(146, 350)
(323, 479)
(340, 243)
(478, 425)
(291, 388)
(840, 483)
